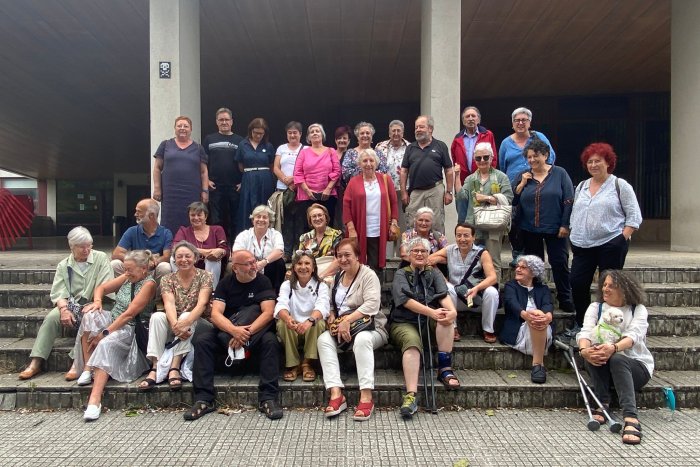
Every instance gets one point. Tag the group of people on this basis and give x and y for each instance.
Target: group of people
(329, 301)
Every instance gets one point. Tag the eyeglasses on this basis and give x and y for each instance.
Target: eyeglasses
(521, 120)
(520, 266)
(258, 132)
(482, 158)
(302, 252)
(418, 251)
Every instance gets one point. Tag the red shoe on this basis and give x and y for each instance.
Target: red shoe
(489, 337)
(363, 411)
(335, 407)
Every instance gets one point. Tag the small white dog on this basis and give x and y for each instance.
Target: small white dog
(608, 330)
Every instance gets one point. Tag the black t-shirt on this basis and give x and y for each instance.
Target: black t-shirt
(221, 149)
(425, 166)
(236, 295)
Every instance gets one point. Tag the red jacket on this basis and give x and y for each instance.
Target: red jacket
(459, 152)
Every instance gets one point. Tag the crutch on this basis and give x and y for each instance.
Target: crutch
(427, 367)
(593, 424)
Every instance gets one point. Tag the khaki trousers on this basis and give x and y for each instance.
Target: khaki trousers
(291, 340)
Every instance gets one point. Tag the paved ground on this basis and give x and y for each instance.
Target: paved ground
(471, 437)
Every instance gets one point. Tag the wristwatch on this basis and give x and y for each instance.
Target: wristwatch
(105, 332)
(312, 320)
(449, 192)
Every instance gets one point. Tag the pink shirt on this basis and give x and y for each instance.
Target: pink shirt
(316, 171)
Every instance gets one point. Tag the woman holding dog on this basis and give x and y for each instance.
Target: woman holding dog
(626, 363)
(355, 295)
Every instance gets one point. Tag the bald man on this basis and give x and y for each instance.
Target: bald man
(242, 315)
(147, 234)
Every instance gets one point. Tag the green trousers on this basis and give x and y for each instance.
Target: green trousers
(291, 340)
(48, 332)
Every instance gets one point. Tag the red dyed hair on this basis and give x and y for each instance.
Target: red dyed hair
(604, 150)
(352, 243)
(182, 117)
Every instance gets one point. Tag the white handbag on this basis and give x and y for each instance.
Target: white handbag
(494, 217)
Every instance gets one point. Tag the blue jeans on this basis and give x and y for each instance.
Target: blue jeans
(462, 205)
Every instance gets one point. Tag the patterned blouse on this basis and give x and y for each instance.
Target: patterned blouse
(123, 300)
(437, 240)
(186, 299)
(350, 165)
(330, 240)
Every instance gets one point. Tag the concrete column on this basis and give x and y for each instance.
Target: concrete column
(685, 100)
(51, 199)
(174, 38)
(441, 39)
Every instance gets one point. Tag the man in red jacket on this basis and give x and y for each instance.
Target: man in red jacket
(462, 151)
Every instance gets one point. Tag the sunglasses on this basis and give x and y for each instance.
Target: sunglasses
(481, 158)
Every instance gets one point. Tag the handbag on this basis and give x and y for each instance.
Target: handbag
(394, 230)
(493, 217)
(366, 323)
(140, 329)
(288, 197)
(75, 306)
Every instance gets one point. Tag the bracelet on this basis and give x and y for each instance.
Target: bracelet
(205, 191)
(617, 349)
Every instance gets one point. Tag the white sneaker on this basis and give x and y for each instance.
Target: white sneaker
(92, 412)
(85, 378)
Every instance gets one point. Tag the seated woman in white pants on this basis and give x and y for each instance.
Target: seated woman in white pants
(472, 278)
(355, 295)
(186, 295)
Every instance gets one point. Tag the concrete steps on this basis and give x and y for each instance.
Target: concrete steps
(492, 375)
(472, 353)
(480, 388)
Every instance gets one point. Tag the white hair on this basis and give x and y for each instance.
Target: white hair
(79, 236)
(483, 146)
(522, 110)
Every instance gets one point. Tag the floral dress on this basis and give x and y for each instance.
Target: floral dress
(117, 354)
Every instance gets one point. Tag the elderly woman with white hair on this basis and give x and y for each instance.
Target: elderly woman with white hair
(529, 314)
(370, 209)
(423, 228)
(266, 244)
(486, 186)
(74, 284)
(316, 172)
(364, 132)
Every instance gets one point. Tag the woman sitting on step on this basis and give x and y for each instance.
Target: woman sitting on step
(627, 363)
(186, 294)
(73, 286)
(528, 306)
(106, 343)
(302, 308)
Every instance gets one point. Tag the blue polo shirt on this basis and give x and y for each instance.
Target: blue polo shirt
(136, 239)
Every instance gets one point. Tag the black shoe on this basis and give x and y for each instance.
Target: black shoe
(567, 307)
(271, 409)
(538, 374)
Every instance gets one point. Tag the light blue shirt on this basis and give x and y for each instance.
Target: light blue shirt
(595, 220)
(510, 156)
(469, 144)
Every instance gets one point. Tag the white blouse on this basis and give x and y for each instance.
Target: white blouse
(303, 300)
(246, 240)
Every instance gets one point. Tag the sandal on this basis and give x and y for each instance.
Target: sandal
(363, 411)
(457, 337)
(29, 372)
(335, 406)
(599, 416)
(446, 376)
(198, 410)
(150, 383)
(636, 431)
(175, 383)
(291, 374)
(308, 373)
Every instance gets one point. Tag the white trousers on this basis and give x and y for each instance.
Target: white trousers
(489, 305)
(363, 348)
(159, 333)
